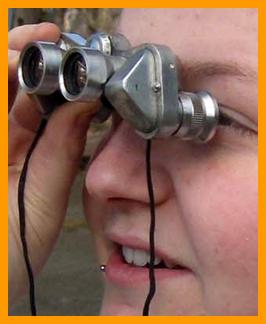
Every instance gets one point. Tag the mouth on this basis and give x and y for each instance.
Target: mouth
(128, 266)
(141, 258)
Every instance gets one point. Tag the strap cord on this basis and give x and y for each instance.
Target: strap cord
(22, 221)
(152, 288)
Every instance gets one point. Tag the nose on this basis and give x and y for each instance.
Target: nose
(119, 170)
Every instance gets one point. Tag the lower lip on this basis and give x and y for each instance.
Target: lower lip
(123, 274)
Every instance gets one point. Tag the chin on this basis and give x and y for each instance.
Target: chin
(119, 309)
(116, 303)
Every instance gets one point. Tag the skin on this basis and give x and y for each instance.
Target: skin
(205, 195)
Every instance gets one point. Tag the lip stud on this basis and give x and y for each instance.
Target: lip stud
(102, 267)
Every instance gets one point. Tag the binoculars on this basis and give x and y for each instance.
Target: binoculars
(140, 83)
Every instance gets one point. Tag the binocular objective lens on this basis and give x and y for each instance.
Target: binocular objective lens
(75, 75)
(81, 74)
(33, 67)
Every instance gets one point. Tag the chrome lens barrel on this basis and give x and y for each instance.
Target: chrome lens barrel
(83, 74)
(38, 68)
(200, 115)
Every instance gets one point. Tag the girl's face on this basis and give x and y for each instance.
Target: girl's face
(206, 195)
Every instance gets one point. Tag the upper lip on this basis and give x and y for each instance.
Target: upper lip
(138, 243)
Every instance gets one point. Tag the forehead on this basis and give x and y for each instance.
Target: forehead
(195, 34)
(220, 36)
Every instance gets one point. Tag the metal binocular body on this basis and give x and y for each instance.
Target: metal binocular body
(140, 83)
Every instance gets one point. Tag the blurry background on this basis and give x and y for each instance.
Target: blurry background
(83, 21)
(70, 283)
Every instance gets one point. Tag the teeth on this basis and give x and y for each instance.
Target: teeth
(128, 254)
(138, 257)
(156, 260)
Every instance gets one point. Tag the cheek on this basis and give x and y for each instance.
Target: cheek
(219, 210)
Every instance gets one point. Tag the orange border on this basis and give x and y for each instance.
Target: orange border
(3, 160)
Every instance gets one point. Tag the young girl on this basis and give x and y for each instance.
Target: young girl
(205, 195)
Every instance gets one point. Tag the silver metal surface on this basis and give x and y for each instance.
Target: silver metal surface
(200, 115)
(98, 68)
(144, 91)
(45, 91)
(140, 83)
(108, 44)
(102, 267)
(120, 44)
(99, 65)
(51, 56)
(69, 40)
(100, 42)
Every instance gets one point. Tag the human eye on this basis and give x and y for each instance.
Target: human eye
(234, 122)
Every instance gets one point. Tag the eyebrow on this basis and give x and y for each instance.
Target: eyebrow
(199, 70)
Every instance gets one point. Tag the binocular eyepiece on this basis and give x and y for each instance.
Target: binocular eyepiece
(140, 83)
